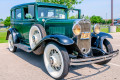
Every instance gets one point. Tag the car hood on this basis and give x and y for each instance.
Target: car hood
(60, 26)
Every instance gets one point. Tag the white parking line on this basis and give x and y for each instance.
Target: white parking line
(114, 64)
(115, 44)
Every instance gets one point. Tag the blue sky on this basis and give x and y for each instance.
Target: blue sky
(88, 7)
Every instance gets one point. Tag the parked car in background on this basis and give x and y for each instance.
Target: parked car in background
(117, 24)
(45, 28)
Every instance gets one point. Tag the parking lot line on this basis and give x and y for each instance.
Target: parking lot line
(115, 44)
(114, 64)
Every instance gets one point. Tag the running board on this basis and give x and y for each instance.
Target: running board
(23, 47)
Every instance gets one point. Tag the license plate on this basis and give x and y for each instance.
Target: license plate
(85, 35)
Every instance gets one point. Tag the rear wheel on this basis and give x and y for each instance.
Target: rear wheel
(107, 47)
(56, 60)
(12, 48)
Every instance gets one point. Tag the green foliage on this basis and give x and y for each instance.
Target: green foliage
(95, 19)
(1, 20)
(73, 17)
(103, 22)
(7, 21)
(87, 17)
(109, 21)
(68, 3)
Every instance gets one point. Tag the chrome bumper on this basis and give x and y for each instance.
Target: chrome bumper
(94, 59)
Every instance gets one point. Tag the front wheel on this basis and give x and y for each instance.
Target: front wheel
(56, 60)
(107, 47)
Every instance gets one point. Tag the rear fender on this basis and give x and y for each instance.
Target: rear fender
(14, 33)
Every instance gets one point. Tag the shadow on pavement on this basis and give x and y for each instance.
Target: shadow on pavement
(39, 62)
(73, 68)
(36, 60)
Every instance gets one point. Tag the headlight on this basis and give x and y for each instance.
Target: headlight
(96, 28)
(76, 29)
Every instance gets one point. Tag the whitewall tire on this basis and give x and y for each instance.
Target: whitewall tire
(56, 60)
(12, 48)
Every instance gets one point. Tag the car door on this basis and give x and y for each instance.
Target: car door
(28, 21)
(18, 21)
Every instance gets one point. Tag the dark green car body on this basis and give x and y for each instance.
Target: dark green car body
(57, 28)
(51, 25)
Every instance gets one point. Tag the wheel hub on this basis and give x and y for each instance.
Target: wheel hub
(55, 60)
(33, 38)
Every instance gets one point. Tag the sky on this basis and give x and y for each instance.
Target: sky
(88, 7)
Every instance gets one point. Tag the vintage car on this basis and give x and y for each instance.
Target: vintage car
(45, 28)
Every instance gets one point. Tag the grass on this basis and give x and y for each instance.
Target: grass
(3, 33)
(118, 28)
(106, 29)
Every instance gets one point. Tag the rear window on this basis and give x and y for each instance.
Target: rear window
(12, 14)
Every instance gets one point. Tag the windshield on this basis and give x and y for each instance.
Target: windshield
(47, 12)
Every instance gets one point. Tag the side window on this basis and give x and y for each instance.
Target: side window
(29, 12)
(12, 14)
(18, 14)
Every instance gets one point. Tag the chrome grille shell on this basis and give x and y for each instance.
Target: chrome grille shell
(84, 44)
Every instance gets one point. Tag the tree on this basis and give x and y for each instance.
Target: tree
(68, 3)
(87, 17)
(7, 21)
(96, 19)
(109, 21)
(73, 17)
(103, 22)
(1, 20)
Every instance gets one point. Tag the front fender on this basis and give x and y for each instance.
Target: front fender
(100, 38)
(61, 39)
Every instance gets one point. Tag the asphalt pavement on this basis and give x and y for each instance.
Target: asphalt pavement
(28, 66)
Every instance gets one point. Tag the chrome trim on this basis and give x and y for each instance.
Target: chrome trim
(94, 59)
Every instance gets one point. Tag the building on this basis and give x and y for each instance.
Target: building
(117, 20)
(2, 25)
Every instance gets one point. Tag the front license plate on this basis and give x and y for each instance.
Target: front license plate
(85, 35)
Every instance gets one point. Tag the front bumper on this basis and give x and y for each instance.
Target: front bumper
(94, 59)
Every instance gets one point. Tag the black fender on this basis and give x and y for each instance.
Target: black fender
(99, 38)
(14, 33)
(60, 39)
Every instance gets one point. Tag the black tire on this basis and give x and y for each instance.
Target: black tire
(109, 48)
(65, 57)
(11, 48)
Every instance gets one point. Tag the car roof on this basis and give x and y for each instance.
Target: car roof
(40, 3)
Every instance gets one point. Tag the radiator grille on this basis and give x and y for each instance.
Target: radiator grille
(84, 44)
